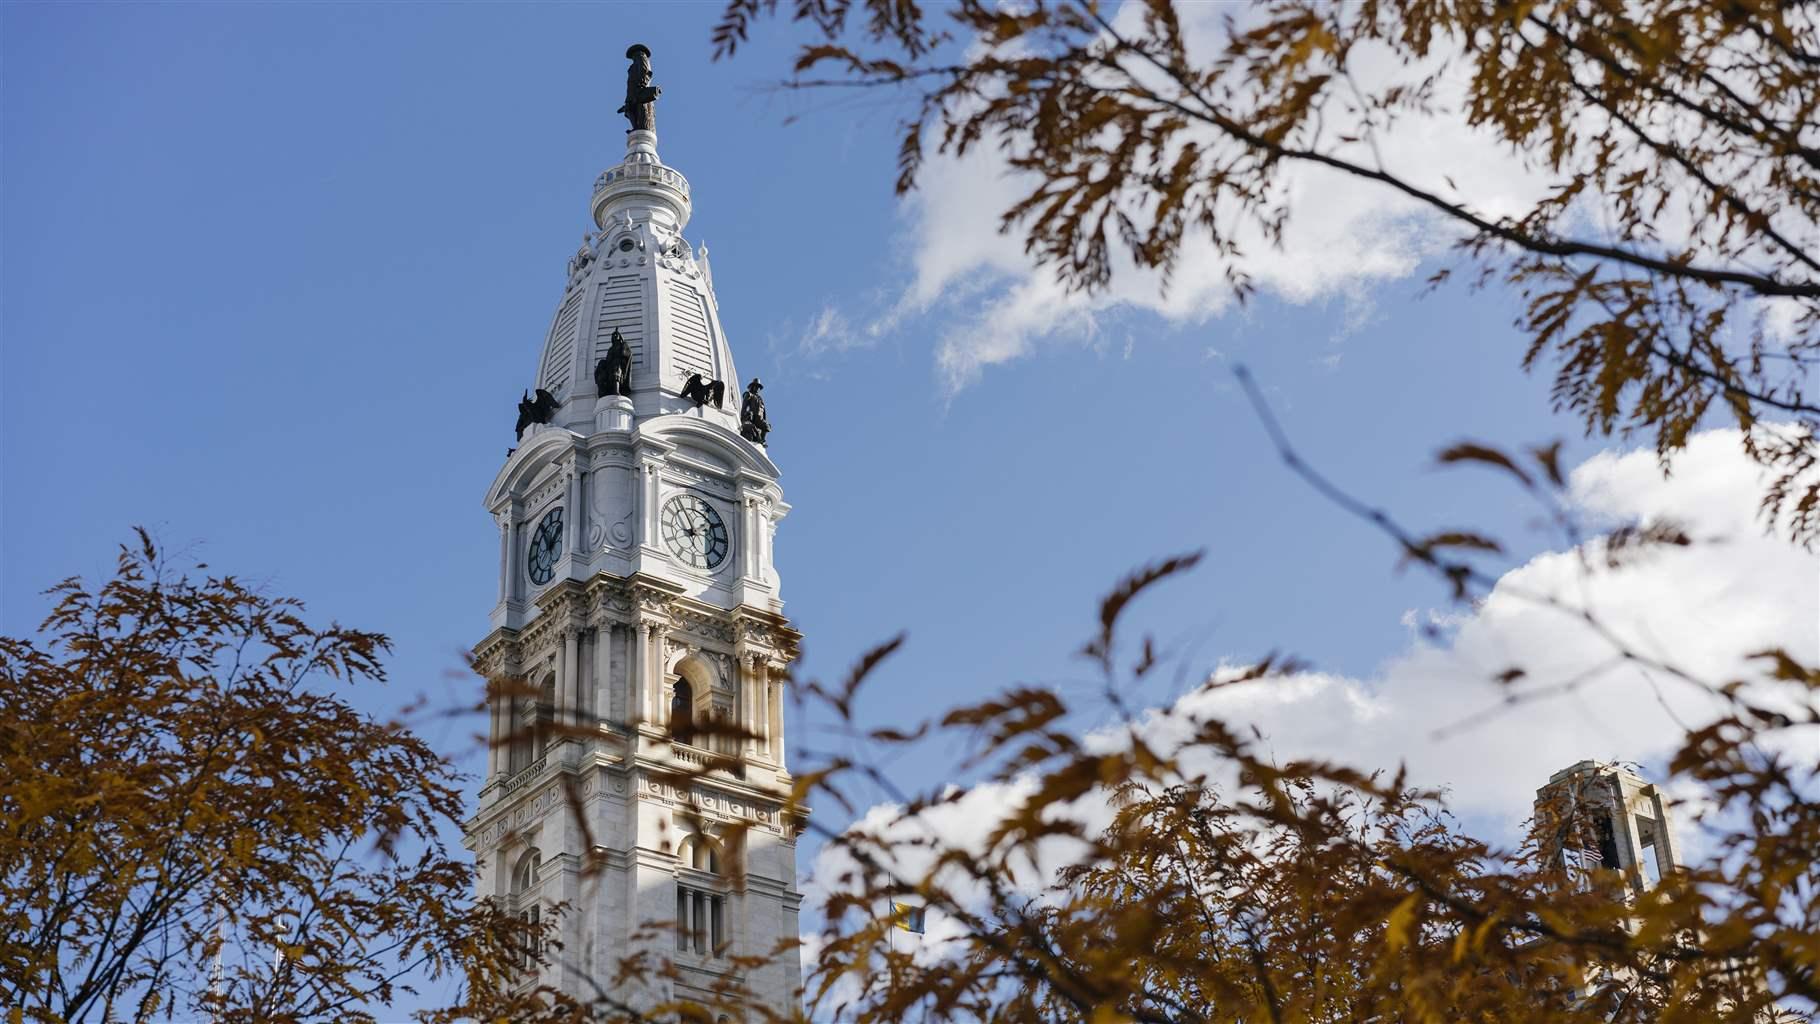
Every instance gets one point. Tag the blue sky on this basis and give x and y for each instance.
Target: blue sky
(273, 276)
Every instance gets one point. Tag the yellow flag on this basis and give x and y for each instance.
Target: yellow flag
(907, 917)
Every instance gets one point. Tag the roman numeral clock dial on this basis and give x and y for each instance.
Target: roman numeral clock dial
(546, 548)
(694, 532)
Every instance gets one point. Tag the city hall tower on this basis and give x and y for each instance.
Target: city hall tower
(637, 604)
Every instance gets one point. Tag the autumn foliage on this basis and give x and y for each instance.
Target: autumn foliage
(194, 825)
(1198, 878)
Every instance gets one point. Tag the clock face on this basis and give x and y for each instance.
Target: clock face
(546, 547)
(694, 532)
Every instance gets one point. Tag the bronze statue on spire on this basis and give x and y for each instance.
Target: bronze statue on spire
(641, 96)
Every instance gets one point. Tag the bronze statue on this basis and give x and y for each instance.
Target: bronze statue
(753, 426)
(702, 392)
(641, 96)
(613, 375)
(542, 409)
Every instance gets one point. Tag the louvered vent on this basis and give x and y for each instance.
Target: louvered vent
(689, 342)
(619, 307)
(561, 358)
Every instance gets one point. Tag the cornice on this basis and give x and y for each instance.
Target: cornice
(503, 637)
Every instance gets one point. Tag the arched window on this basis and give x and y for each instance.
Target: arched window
(701, 902)
(518, 736)
(682, 711)
(530, 720)
(525, 904)
(704, 856)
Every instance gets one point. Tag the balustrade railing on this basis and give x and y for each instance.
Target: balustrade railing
(518, 779)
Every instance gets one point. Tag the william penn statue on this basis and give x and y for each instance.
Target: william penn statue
(641, 96)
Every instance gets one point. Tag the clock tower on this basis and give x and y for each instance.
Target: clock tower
(637, 602)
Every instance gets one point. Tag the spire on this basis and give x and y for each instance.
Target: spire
(637, 281)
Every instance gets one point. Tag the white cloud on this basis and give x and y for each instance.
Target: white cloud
(829, 331)
(1702, 608)
(964, 821)
(1781, 319)
(1345, 239)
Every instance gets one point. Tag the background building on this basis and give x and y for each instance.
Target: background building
(1595, 815)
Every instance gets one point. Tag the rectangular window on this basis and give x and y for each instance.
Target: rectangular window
(1608, 846)
(1652, 851)
(533, 939)
(700, 921)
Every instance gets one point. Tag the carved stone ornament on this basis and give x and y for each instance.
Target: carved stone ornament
(651, 600)
(677, 259)
(700, 479)
(583, 256)
(706, 626)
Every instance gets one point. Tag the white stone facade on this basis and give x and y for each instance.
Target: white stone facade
(636, 583)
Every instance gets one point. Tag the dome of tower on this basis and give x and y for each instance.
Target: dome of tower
(638, 276)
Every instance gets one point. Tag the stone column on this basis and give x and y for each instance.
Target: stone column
(493, 735)
(742, 695)
(603, 672)
(515, 562)
(775, 708)
(565, 679)
(660, 711)
(505, 555)
(649, 532)
(767, 525)
(572, 543)
(584, 674)
(751, 530)
(1668, 844)
(753, 694)
(637, 707)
